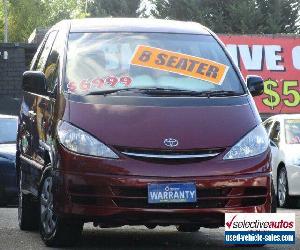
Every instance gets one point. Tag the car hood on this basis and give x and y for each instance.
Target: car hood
(197, 123)
(8, 151)
(292, 149)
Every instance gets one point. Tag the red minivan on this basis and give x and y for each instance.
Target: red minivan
(137, 122)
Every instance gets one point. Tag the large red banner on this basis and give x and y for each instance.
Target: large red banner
(277, 60)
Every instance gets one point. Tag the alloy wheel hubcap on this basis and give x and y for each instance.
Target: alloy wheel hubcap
(48, 218)
(282, 188)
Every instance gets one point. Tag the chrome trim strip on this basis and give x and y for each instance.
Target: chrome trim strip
(31, 162)
(187, 156)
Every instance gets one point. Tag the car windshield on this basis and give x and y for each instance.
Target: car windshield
(292, 131)
(8, 130)
(111, 61)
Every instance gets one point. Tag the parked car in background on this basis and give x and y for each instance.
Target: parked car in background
(8, 134)
(284, 134)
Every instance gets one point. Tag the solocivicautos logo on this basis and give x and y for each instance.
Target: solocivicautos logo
(260, 228)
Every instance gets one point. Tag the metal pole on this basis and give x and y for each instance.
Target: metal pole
(86, 4)
(5, 21)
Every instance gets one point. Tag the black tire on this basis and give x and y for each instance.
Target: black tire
(56, 231)
(27, 210)
(273, 199)
(188, 228)
(283, 198)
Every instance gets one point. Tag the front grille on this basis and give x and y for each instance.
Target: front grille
(248, 202)
(129, 191)
(225, 197)
(84, 200)
(137, 197)
(143, 203)
(170, 156)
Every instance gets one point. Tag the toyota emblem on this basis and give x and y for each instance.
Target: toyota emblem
(171, 142)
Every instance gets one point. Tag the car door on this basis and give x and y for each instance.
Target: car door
(275, 142)
(32, 124)
(48, 105)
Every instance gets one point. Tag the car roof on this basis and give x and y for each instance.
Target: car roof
(136, 25)
(8, 117)
(284, 116)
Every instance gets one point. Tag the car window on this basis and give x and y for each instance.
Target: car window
(102, 61)
(36, 56)
(8, 130)
(40, 64)
(275, 133)
(51, 67)
(292, 131)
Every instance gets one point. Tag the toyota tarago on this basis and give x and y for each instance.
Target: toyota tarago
(137, 122)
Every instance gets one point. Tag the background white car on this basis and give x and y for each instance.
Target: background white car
(284, 134)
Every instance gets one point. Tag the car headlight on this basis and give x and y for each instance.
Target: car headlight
(81, 142)
(254, 143)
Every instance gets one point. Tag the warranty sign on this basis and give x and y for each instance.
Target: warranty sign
(196, 67)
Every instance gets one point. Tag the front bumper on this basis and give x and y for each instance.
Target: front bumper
(114, 192)
(293, 174)
(122, 200)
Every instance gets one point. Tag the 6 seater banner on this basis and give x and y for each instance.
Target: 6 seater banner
(276, 59)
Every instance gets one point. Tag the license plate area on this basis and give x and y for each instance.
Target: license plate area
(172, 193)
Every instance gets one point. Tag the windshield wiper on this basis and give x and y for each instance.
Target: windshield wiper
(220, 93)
(110, 91)
(162, 91)
(151, 90)
(168, 91)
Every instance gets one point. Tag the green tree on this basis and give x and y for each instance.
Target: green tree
(58, 10)
(26, 15)
(154, 8)
(1, 22)
(280, 16)
(230, 16)
(243, 17)
(115, 8)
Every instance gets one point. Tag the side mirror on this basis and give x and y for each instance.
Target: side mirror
(255, 85)
(35, 82)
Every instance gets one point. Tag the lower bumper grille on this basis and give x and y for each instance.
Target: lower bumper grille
(143, 203)
(136, 197)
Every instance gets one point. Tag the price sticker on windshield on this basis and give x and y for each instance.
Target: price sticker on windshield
(186, 65)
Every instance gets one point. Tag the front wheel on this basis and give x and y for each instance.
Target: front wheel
(54, 230)
(282, 189)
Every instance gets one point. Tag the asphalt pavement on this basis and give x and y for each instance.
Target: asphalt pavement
(12, 238)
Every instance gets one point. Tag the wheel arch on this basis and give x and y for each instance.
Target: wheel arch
(49, 163)
(280, 166)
